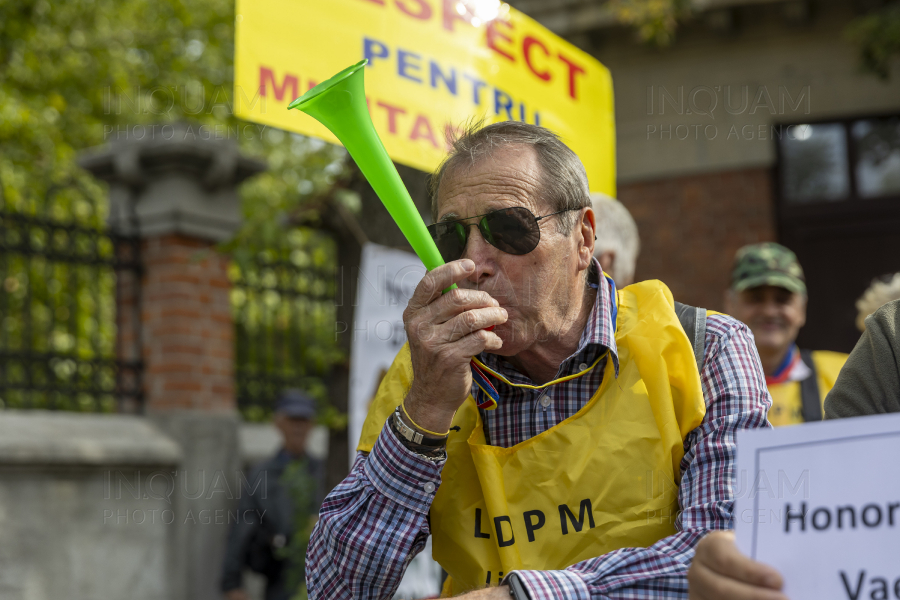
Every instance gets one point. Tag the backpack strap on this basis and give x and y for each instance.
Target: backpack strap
(809, 390)
(693, 321)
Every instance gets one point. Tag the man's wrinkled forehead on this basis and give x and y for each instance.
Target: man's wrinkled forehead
(507, 177)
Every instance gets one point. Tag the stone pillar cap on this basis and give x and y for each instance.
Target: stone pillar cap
(176, 146)
(172, 181)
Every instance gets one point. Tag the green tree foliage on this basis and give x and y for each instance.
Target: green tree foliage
(876, 34)
(83, 73)
(654, 20)
(877, 37)
(300, 488)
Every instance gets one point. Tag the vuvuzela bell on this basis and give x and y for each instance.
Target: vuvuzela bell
(340, 105)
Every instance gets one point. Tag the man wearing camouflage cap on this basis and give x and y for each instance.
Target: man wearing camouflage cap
(768, 293)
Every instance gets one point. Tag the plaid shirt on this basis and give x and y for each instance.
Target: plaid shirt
(376, 520)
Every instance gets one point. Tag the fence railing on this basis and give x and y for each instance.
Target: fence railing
(58, 273)
(68, 285)
(284, 315)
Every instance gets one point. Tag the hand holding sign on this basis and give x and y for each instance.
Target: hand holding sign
(720, 570)
(821, 503)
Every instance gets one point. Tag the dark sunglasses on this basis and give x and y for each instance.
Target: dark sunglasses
(513, 230)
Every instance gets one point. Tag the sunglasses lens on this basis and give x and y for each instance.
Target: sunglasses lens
(512, 230)
(450, 239)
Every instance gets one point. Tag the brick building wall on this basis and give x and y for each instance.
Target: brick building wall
(691, 226)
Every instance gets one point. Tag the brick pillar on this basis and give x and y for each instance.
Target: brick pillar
(178, 194)
(187, 328)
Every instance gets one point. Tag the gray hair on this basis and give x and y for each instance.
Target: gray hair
(564, 180)
(617, 232)
(883, 290)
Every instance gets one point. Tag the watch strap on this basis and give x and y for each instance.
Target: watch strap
(430, 453)
(516, 588)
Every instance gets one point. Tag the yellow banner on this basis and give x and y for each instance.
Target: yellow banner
(433, 64)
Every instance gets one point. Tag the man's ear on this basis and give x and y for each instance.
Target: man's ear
(588, 226)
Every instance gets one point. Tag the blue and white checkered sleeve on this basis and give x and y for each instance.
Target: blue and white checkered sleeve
(373, 523)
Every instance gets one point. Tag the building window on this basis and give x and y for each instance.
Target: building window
(840, 161)
(878, 157)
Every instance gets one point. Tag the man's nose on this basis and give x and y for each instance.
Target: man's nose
(771, 309)
(481, 253)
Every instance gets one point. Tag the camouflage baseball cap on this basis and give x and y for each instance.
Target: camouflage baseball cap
(767, 264)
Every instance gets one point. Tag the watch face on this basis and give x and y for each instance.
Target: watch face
(406, 431)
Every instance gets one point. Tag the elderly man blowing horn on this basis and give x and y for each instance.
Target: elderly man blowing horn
(583, 452)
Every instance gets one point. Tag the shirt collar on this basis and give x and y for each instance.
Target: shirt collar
(600, 330)
(793, 369)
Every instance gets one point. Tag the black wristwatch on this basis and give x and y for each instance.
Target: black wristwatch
(516, 589)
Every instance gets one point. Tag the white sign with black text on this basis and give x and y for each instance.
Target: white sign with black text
(821, 503)
(387, 280)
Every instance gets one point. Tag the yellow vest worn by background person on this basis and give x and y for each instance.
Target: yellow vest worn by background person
(787, 402)
(605, 478)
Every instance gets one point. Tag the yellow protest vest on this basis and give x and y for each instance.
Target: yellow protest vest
(787, 406)
(603, 479)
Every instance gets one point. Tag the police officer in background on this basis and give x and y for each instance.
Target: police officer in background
(768, 293)
(268, 509)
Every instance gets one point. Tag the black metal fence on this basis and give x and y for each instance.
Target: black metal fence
(58, 273)
(62, 281)
(284, 314)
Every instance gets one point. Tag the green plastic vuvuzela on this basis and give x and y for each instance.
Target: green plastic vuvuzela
(340, 105)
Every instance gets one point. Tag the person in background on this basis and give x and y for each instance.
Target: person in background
(883, 290)
(869, 384)
(618, 243)
(267, 510)
(768, 293)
